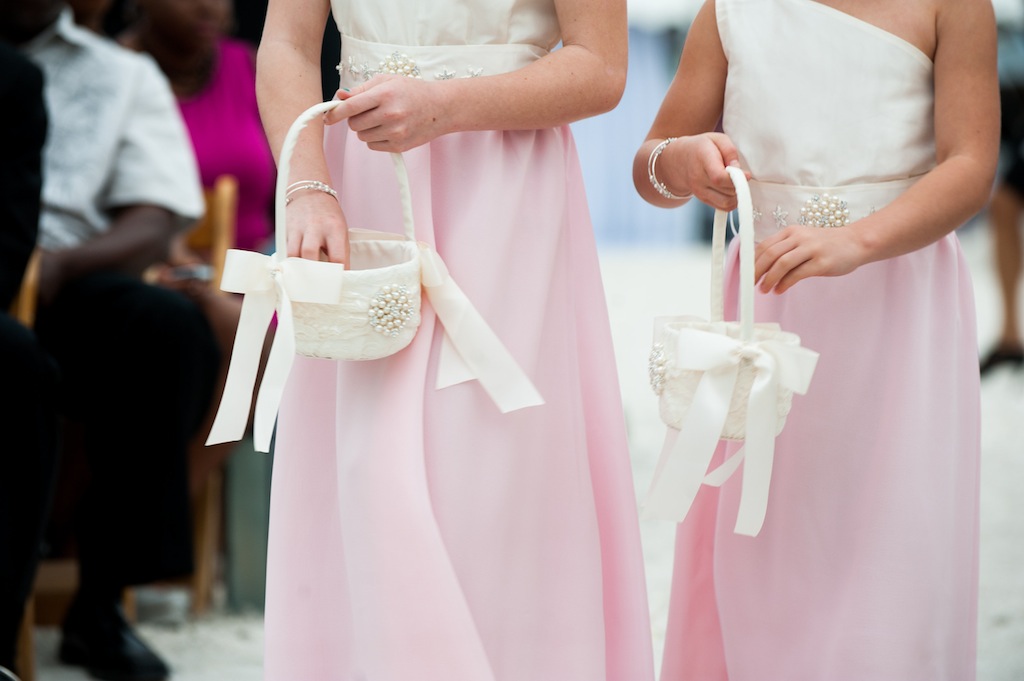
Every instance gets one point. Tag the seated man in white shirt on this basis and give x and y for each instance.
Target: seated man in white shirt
(137, 362)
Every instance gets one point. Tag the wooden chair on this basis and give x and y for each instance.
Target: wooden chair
(57, 579)
(24, 306)
(212, 236)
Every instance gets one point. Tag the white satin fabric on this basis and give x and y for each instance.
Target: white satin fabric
(501, 23)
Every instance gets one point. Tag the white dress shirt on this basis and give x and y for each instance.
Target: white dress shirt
(116, 136)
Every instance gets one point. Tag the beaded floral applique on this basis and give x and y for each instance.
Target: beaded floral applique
(390, 310)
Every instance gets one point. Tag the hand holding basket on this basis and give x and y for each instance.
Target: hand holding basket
(366, 311)
(723, 380)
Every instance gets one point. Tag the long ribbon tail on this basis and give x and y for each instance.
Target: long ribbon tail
(233, 412)
(762, 423)
(452, 369)
(477, 349)
(717, 477)
(275, 376)
(686, 458)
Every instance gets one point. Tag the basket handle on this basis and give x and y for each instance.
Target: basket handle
(284, 168)
(746, 217)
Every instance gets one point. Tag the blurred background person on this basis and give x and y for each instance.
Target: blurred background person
(213, 77)
(247, 25)
(137, 362)
(1007, 205)
(29, 419)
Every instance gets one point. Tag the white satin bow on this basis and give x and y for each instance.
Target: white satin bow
(471, 349)
(687, 453)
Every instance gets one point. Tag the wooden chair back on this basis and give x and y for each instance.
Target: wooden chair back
(24, 306)
(214, 234)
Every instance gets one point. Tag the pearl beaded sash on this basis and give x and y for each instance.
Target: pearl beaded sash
(362, 60)
(779, 205)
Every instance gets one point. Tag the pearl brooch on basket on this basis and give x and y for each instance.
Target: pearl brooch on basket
(390, 310)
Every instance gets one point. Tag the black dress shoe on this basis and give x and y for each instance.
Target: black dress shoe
(99, 638)
(1002, 354)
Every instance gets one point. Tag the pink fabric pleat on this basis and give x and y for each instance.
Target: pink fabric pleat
(421, 535)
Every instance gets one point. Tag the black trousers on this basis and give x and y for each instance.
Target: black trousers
(138, 364)
(28, 458)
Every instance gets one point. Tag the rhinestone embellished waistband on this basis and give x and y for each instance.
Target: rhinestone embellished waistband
(779, 205)
(362, 60)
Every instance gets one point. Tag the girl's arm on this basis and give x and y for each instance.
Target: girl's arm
(288, 83)
(967, 147)
(583, 78)
(695, 162)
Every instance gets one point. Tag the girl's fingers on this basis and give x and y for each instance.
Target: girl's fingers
(717, 199)
(337, 248)
(769, 250)
(293, 243)
(336, 115)
(782, 266)
(311, 247)
(795, 275)
(352, 107)
(730, 155)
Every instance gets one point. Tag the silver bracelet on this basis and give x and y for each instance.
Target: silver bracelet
(658, 185)
(315, 185)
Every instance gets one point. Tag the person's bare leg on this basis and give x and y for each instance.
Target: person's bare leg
(1005, 212)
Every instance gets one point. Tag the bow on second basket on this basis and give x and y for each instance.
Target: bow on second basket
(367, 311)
(720, 380)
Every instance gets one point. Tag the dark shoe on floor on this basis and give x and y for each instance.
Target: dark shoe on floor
(99, 638)
(1002, 354)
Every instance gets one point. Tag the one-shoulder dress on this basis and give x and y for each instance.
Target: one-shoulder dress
(866, 567)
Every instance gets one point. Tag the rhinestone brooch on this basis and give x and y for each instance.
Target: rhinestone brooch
(656, 367)
(825, 210)
(390, 310)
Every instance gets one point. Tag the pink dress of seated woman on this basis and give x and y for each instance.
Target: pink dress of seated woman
(227, 135)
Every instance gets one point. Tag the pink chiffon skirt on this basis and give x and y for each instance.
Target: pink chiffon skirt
(866, 569)
(419, 534)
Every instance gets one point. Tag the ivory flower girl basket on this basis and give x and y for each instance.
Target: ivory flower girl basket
(720, 380)
(366, 311)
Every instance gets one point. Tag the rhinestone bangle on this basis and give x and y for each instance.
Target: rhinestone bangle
(658, 185)
(315, 185)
